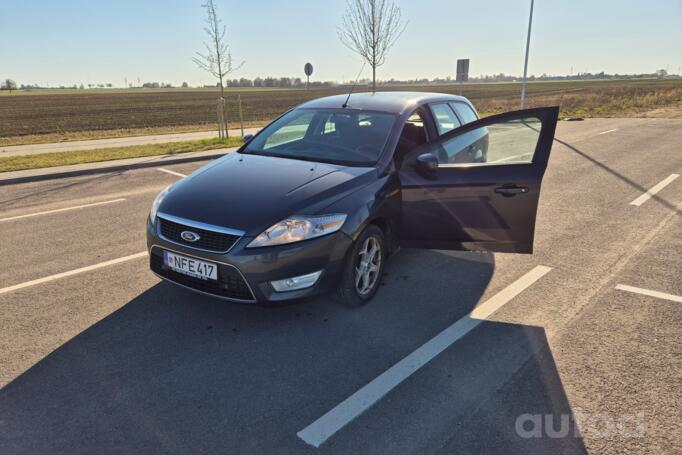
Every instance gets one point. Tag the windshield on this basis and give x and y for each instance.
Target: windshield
(339, 136)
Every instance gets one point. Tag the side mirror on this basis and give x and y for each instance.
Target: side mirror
(427, 164)
(247, 138)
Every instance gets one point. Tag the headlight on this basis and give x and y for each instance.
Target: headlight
(297, 228)
(157, 203)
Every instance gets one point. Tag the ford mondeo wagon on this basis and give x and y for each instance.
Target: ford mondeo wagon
(320, 198)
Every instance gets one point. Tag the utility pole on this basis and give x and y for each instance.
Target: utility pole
(525, 65)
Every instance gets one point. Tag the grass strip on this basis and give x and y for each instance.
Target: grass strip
(43, 160)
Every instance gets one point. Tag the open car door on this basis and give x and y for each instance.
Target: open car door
(477, 187)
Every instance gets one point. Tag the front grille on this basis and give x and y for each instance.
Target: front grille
(230, 283)
(208, 240)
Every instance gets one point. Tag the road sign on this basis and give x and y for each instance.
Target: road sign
(463, 70)
(308, 68)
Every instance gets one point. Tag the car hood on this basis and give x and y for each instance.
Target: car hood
(252, 192)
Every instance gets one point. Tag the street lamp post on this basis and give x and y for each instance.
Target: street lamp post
(525, 64)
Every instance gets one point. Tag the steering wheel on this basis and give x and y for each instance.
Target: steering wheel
(327, 145)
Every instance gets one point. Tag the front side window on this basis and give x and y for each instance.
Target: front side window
(445, 118)
(340, 136)
(412, 136)
(509, 142)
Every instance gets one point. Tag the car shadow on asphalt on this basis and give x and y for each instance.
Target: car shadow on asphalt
(618, 175)
(83, 183)
(172, 371)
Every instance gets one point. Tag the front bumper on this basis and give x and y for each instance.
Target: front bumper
(245, 273)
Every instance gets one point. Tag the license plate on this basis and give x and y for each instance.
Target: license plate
(190, 266)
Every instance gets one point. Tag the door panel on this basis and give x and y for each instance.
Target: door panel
(484, 193)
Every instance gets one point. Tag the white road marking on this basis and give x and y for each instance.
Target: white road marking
(495, 302)
(49, 212)
(655, 189)
(326, 426)
(58, 276)
(658, 295)
(528, 157)
(177, 174)
(607, 132)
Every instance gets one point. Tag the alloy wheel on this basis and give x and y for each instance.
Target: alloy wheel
(368, 265)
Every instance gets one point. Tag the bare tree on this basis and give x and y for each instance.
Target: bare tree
(10, 85)
(370, 28)
(217, 60)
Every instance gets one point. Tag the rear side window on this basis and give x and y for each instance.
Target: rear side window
(464, 112)
(445, 118)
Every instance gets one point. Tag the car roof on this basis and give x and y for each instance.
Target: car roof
(391, 102)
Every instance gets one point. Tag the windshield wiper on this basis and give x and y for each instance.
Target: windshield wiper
(312, 159)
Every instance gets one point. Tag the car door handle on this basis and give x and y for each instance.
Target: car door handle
(510, 191)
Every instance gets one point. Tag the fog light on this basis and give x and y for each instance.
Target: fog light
(296, 282)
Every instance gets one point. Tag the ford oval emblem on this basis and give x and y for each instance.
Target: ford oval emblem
(189, 236)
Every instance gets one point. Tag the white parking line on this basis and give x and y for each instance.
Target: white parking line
(607, 132)
(326, 426)
(58, 276)
(650, 293)
(655, 189)
(48, 212)
(177, 174)
(528, 157)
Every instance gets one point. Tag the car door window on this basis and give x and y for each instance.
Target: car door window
(508, 142)
(464, 112)
(445, 118)
(413, 135)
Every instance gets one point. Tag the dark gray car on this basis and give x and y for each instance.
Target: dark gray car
(319, 199)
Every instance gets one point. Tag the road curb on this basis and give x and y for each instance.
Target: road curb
(155, 161)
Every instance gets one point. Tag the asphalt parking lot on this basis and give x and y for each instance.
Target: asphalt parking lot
(456, 350)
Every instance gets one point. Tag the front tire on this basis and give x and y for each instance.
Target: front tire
(364, 268)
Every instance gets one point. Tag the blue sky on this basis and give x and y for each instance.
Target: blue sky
(73, 41)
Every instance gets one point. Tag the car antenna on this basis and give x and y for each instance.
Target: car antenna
(345, 104)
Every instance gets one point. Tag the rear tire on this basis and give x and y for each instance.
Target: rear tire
(364, 268)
